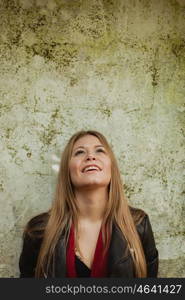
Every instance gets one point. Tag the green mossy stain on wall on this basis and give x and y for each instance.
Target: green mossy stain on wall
(63, 54)
(8, 132)
(178, 48)
(154, 74)
(48, 136)
(12, 151)
(1, 187)
(105, 111)
(50, 132)
(25, 147)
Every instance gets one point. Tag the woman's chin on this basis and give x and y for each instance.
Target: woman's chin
(92, 184)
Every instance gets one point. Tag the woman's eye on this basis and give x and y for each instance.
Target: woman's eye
(100, 150)
(78, 152)
(82, 151)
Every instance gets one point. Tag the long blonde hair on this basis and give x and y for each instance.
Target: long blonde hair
(64, 211)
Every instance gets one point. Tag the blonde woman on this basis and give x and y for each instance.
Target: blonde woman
(90, 230)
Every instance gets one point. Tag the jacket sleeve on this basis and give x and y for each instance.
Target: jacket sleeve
(150, 250)
(29, 255)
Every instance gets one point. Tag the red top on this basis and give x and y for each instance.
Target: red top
(99, 265)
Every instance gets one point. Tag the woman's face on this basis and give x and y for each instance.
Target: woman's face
(90, 164)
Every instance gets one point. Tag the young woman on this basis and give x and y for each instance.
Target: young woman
(90, 230)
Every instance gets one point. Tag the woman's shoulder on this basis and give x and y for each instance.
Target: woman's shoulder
(38, 219)
(32, 240)
(36, 225)
(143, 224)
(138, 215)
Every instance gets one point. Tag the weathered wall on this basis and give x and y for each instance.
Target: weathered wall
(115, 66)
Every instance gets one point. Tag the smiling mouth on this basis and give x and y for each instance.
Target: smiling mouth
(91, 168)
(89, 171)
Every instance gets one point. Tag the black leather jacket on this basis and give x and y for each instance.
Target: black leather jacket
(117, 266)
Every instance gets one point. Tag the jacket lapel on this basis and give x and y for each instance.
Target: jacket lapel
(120, 262)
(59, 260)
(60, 265)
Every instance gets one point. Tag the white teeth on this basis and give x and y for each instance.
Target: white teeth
(91, 168)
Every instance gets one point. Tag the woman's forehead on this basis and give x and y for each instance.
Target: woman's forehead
(87, 140)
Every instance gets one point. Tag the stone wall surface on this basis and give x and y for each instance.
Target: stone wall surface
(115, 66)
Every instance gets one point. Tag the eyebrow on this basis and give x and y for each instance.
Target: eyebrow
(84, 147)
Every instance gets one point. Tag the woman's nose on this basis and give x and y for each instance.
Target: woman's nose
(91, 157)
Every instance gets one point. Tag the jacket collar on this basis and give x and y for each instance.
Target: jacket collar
(117, 253)
(118, 249)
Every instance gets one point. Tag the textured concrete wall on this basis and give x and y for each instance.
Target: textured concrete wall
(115, 66)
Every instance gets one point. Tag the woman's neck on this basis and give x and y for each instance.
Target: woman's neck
(91, 204)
